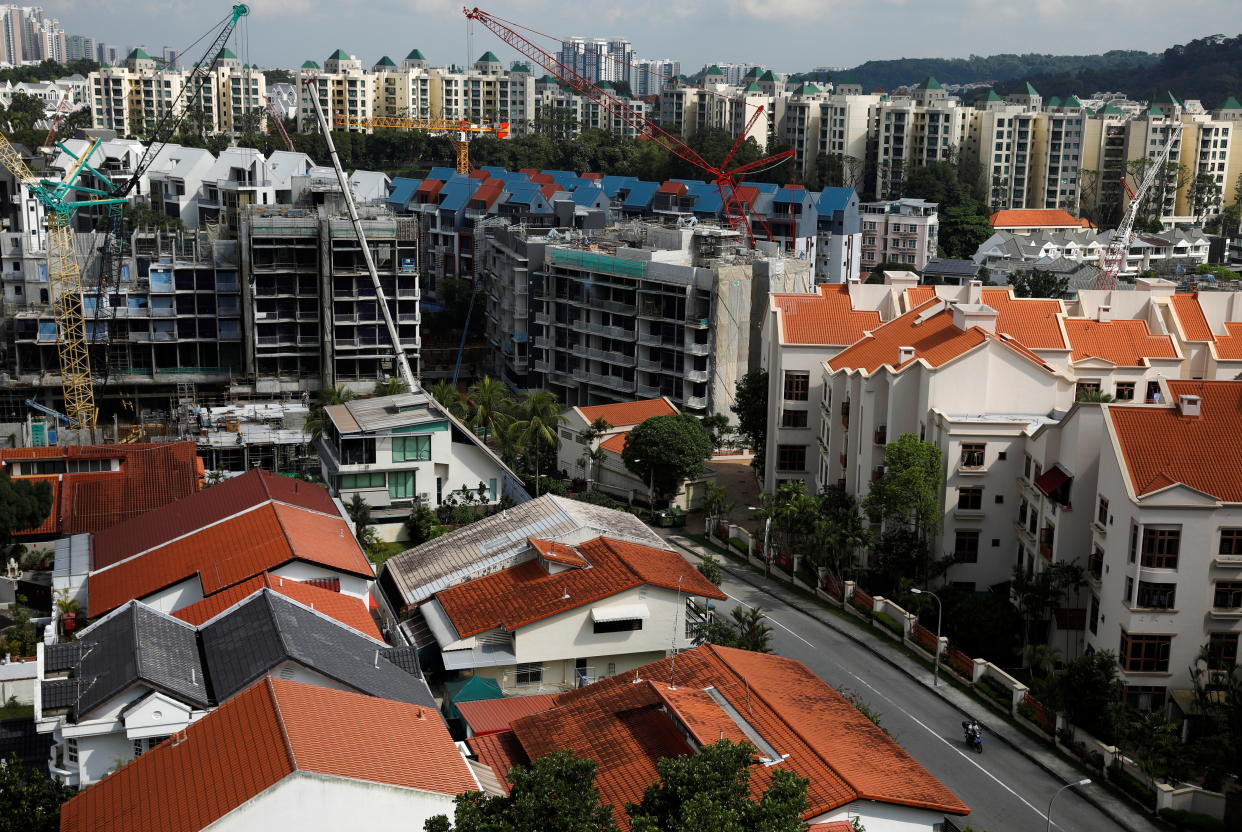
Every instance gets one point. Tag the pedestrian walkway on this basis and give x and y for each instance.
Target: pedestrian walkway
(1046, 758)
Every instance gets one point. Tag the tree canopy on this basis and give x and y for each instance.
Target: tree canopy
(1038, 283)
(29, 799)
(23, 505)
(666, 451)
(750, 406)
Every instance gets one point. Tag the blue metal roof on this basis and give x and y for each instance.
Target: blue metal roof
(494, 170)
(456, 194)
(708, 202)
(513, 177)
(403, 190)
(561, 177)
(768, 188)
(612, 184)
(524, 193)
(641, 193)
(588, 196)
(792, 195)
(834, 199)
(442, 173)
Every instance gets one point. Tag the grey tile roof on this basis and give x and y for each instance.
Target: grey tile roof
(945, 265)
(269, 629)
(60, 658)
(59, 693)
(499, 541)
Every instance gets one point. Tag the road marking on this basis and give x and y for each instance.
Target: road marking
(912, 717)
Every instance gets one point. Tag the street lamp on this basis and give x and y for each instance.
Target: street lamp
(1084, 782)
(767, 527)
(939, 616)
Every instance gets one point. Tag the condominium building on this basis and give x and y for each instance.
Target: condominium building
(649, 75)
(28, 36)
(913, 130)
(901, 231)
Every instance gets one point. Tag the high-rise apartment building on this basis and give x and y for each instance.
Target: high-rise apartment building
(81, 48)
(650, 74)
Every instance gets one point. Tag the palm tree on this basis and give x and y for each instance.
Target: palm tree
(449, 397)
(752, 633)
(492, 409)
(593, 456)
(317, 419)
(535, 429)
(391, 387)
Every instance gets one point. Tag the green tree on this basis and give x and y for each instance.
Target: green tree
(29, 799)
(391, 387)
(1091, 693)
(1090, 395)
(1215, 729)
(23, 505)
(449, 397)
(141, 215)
(279, 76)
(556, 793)
(752, 633)
(750, 405)
(716, 502)
(23, 112)
(1039, 594)
(317, 419)
(709, 567)
(717, 427)
(359, 511)
(710, 792)
(593, 456)
(533, 433)
(1154, 742)
(666, 451)
(962, 230)
(490, 410)
(1038, 283)
(421, 524)
(906, 500)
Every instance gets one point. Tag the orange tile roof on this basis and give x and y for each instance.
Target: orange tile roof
(258, 738)
(935, 340)
(149, 476)
(1036, 218)
(1229, 347)
(831, 826)
(557, 552)
(625, 414)
(616, 442)
(1124, 343)
(919, 294)
(522, 594)
(350, 611)
(627, 727)
(1161, 447)
(827, 317)
(230, 552)
(499, 752)
(491, 716)
(1189, 315)
(1033, 321)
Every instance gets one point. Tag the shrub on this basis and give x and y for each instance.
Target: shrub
(889, 622)
(1131, 785)
(1182, 819)
(994, 690)
(736, 543)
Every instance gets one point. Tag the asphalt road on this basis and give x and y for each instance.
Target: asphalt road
(1005, 790)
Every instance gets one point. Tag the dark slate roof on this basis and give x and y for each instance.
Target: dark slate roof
(405, 658)
(139, 644)
(18, 736)
(59, 693)
(63, 657)
(269, 629)
(944, 265)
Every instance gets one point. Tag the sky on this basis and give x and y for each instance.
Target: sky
(785, 35)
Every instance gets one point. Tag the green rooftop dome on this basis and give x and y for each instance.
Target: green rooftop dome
(1231, 103)
(713, 70)
(1055, 101)
(226, 54)
(339, 55)
(520, 68)
(849, 78)
(753, 72)
(547, 79)
(929, 83)
(415, 55)
(605, 85)
(768, 76)
(489, 58)
(1111, 109)
(1072, 101)
(139, 54)
(1154, 110)
(752, 87)
(385, 61)
(807, 89)
(1166, 98)
(310, 65)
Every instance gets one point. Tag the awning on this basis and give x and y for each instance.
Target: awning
(620, 612)
(1055, 482)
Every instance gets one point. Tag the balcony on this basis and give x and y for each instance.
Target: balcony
(696, 375)
(692, 348)
(611, 382)
(646, 391)
(696, 402)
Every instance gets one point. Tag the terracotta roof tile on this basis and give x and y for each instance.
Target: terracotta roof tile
(1035, 218)
(230, 552)
(557, 552)
(1033, 321)
(1124, 343)
(258, 738)
(500, 752)
(827, 317)
(1229, 347)
(935, 340)
(916, 295)
(1161, 447)
(625, 414)
(350, 611)
(522, 594)
(149, 476)
(491, 716)
(1189, 315)
(616, 442)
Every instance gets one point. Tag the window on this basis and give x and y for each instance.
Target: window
(1222, 651)
(793, 418)
(966, 546)
(401, 485)
(71, 750)
(972, 454)
(1022, 510)
(797, 386)
(357, 451)
(1124, 391)
(1144, 697)
(1230, 542)
(1093, 618)
(1144, 654)
(372, 480)
(623, 626)
(1133, 547)
(529, 673)
(970, 498)
(1101, 512)
(411, 449)
(1095, 563)
(1227, 595)
(791, 457)
(1156, 596)
(1160, 547)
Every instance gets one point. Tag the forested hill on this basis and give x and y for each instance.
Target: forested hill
(909, 71)
(1209, 69)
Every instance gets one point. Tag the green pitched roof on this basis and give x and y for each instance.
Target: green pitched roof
(339, 55)
(520, 68)
(605, 85)
(752, 87)
(139, 54)
(713, 70)
(1111, 110)
(415, 55)
(1055, 101)
(547, 79)
(849, 78)
(795, 78)
(1072, 101)
(385, 61)
(929, 83)
(807, 89)
(991, 96)
(489, 58)
(767, 76)
(1153, 110)
(753, 72)
(1030, 90)
(310, 65)
(226, 54)
(1166, 98)
(1231, 103)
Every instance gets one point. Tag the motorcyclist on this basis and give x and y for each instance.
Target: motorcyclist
(974, 733)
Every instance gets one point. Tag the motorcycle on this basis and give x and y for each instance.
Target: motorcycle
(974, 736)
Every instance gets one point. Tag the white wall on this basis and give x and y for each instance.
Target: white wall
(300, 570)
(175, 597)
(885, 817)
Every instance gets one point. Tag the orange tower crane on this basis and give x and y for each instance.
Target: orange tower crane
(459, 132)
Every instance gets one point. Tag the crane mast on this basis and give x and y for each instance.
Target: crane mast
(1114, 257)
(403, 364)
(458, 131)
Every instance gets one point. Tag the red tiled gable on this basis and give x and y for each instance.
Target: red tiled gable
(428, 190)
(522, 594)
(1161, 447)
(592, 175)
(491, 716)
(487, 193)
(211, 505)
(625, 414)
(541, 179)
(350, 611)
(150, 476)
(500, 752)
(616, 442)
(747, 194)
(557, 552)
(550, 190)
(627, 727)
(832, 826)
(479, 173)
(1229, 347)
(935, 340)
(670, 187)
(258, 738)
(916, 295)
(230, 552)
(1124, 343)
(1190, 315)
(1035, 218)
(1033, 321)
(824, 318)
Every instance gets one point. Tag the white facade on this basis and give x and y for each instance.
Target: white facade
(902, 231)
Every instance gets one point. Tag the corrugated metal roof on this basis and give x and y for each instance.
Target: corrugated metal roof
(491, 716)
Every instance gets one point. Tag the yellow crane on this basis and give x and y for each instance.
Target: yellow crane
(458, 131)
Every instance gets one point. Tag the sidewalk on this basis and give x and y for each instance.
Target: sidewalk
(1046, 758)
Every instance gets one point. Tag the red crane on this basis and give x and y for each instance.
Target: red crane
(724, 177)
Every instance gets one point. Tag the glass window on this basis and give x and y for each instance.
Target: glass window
(1222, 651)
(973, 454)
(1101, 512)
(797, 386)
(371, 480)
(970, 498)
(1227, 595)
(401, 485)
(529, 673)
(1230, 542)
(1124, 391)
(966, 546)
(411, 449)
(624, 626)
(1144, 654)
(1156, 596)
(791, 457)
(1160, 547)
(793, 418)
(357, 451)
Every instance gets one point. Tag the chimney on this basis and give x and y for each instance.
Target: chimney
(1104, 313)
(974, 294)
(1155, 286)
(967, 315)
(902, 279)
(1189, 406)
(905, 354)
